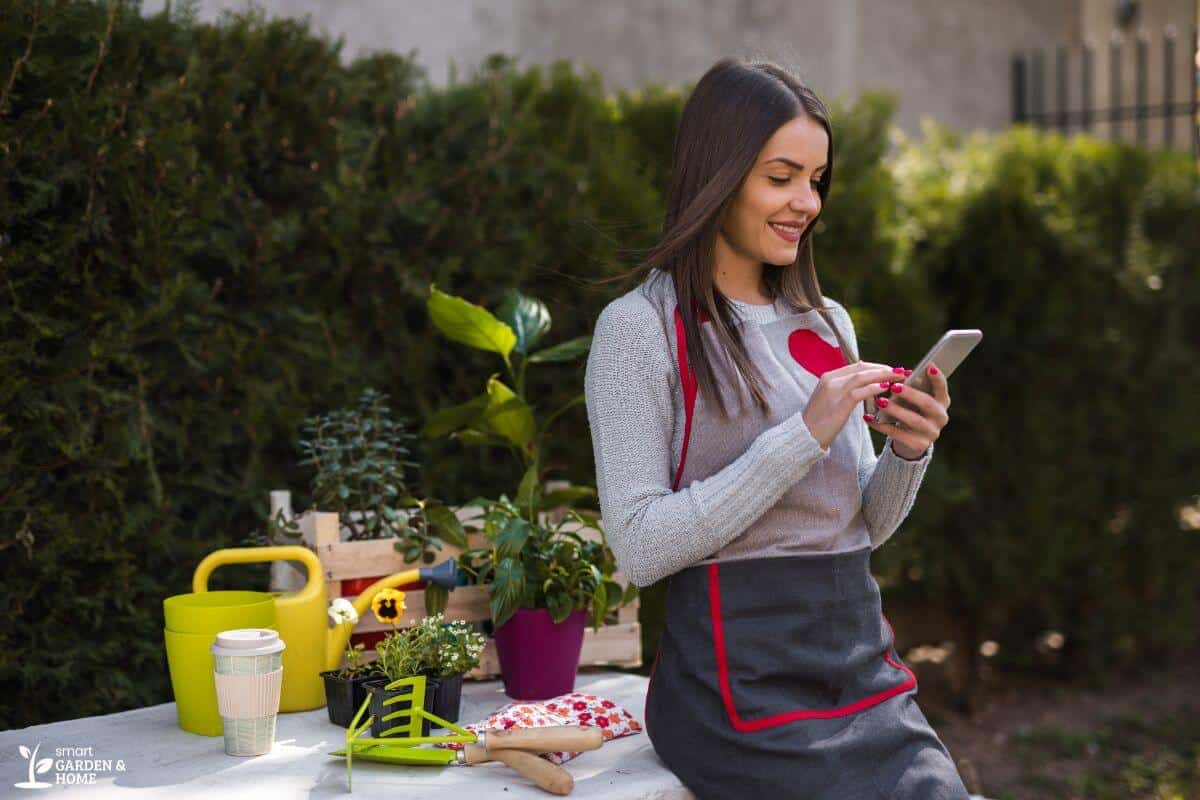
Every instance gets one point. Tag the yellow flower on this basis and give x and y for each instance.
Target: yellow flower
(388, 606)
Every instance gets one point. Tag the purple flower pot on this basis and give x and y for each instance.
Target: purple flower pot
(538, 658)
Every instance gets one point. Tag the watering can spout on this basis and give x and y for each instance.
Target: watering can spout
(444, 574)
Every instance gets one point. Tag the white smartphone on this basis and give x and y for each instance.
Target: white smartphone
(950, 351)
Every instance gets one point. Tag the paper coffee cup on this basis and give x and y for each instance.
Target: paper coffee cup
(248, 672)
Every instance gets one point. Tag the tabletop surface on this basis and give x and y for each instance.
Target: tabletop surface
(144, 753)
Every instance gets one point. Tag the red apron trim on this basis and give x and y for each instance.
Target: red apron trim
(688, 381)
(646, 704)
(750, 726)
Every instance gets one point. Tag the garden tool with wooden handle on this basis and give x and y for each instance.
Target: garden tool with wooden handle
(549, 739)
(546, 774)
(517, 748)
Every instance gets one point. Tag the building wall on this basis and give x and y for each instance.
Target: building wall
(948, 59)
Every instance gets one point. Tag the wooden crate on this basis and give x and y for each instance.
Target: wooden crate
(616, 643)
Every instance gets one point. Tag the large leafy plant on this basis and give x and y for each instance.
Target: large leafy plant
(503, 415)
(533, 565)
(529, 564)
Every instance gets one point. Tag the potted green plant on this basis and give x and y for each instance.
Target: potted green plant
(444, 652)
(542, 578)
(547, 583)
(345, 687)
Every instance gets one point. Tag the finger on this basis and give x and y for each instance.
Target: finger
(940, 386)
(870, 390)
(913, 420)
(863, 366)
(921, 402)
(903, 435)
(881, 376)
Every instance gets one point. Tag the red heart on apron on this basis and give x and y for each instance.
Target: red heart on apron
(814, 353)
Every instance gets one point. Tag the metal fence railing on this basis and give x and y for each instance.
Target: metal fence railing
(1075, 110)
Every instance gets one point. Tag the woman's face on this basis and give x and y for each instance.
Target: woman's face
(778, 199)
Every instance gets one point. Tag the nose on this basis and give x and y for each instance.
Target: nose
(807, 201)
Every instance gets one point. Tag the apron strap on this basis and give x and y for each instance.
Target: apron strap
(688, 381)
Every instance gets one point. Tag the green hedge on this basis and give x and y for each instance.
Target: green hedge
(209, 232)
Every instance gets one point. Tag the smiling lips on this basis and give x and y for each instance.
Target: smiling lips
(788, 231)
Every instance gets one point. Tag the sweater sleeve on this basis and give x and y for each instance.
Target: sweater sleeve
(652, 530)
(889, 482)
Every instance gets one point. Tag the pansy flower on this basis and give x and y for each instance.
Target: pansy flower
(388, 606)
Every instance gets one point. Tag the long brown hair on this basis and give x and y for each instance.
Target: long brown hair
(735, 108)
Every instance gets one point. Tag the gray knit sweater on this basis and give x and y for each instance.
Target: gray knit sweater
(636, 414)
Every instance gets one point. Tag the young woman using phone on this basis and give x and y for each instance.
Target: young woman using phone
(731, 459)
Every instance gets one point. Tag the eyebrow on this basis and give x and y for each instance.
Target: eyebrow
(793, 164)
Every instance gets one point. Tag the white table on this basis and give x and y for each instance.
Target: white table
(162, 760)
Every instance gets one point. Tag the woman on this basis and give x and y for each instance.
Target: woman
(720, 393)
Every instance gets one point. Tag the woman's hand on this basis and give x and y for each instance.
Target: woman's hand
(839, 391)
(921, 416)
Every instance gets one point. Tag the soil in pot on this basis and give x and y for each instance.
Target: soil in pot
(378, 709)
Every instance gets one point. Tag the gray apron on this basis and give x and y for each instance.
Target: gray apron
(777, 677)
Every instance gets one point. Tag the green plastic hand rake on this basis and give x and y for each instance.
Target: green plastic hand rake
(400, 744)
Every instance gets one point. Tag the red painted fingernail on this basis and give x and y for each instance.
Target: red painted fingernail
(884, 385)
(907, 372)
(933, 370)
(869, 417)
(898, 370)
(881, 402)
(897, 388)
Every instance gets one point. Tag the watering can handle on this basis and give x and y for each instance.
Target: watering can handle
(256, 555)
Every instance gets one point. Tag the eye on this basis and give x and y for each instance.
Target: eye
(777, 181)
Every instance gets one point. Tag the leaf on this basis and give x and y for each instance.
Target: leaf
(612, 591)
(508, 415)
(44, 765)
(599, 604)
(565, 496)
(436, 598)
(447, 525)
(507, 587)
(478, 438)
(527, 316)
(450, 419)
(24, 751)
(564, 351)
(512, 537)
(469, 324)
(560, 604)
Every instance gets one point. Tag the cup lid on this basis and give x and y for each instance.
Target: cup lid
(247, 642)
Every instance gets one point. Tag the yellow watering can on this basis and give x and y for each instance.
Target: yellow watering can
(301, 617)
